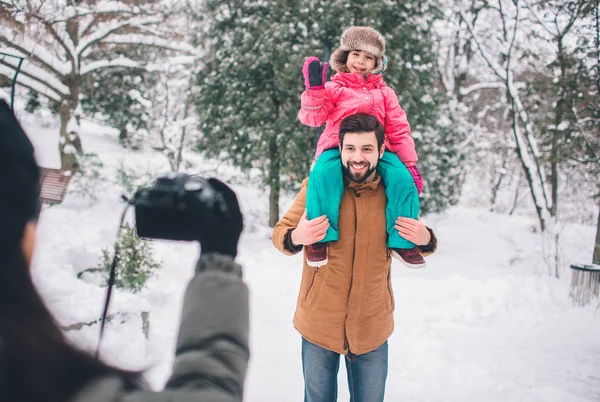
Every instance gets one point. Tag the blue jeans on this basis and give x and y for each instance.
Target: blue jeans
(366, 374)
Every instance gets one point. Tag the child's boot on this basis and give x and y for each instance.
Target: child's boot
(409, 257)
(316, 254)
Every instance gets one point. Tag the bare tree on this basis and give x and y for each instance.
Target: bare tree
(64, 40)
(500, 53)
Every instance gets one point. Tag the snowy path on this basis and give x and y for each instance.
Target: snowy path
(483, 322)
(457, 338)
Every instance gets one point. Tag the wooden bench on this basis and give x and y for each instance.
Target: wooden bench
(54, 184)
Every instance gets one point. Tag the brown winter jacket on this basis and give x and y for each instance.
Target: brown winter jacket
(348, 304)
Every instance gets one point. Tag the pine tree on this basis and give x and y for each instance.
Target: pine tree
(108, 95)
(249, 88)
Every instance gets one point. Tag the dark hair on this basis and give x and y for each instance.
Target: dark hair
(36, 361)
(362, 123)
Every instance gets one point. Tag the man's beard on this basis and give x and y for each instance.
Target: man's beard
(358, 177)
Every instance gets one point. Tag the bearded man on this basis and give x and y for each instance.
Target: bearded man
(346, 307)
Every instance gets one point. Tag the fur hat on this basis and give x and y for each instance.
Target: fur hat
(359, 38)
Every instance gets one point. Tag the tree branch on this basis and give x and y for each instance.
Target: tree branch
(69, 52)
(482, 85)
(29, 84)
(540, 21)
(497, 69)
(33, 77)
(121, 62)
(103, 33)
(153, 41)
(32, 55)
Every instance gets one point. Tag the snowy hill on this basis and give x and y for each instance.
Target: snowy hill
(483, 322)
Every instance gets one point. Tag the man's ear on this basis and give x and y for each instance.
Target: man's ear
(381, 151)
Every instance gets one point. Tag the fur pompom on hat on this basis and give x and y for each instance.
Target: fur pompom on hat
(359, 38)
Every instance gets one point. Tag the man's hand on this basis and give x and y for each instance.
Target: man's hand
(310, 231)
(413, 230)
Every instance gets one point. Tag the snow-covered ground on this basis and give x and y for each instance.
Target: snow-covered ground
(483, 322)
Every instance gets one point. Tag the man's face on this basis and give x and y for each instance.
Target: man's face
(360, 156)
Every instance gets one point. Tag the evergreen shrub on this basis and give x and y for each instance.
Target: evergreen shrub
(136, 262)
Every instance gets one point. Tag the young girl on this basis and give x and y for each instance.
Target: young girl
(358, 87)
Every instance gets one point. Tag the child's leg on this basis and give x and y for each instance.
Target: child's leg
(325, 190)
(403, 199)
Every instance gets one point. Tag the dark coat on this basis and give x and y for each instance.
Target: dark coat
(212, 352)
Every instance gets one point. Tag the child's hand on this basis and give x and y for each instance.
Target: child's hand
(314, 72)
(310, 231)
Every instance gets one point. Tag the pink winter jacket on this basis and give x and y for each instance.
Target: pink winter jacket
(350, 93)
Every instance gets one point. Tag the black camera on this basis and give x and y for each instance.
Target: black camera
(175, 206)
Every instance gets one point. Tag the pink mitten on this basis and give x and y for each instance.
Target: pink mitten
(314, 72)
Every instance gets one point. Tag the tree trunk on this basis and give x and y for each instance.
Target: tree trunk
(497, 182)
(179, 156)
(68, 159)
(68, 150)
(596, 257)
(550, 241)
(274, 182)
(561, 105)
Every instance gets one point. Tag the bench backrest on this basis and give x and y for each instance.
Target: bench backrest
(54, 185)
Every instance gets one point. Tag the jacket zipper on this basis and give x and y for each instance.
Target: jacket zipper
(312, 282)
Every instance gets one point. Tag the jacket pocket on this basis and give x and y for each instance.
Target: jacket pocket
(390, 304)
(308, 301)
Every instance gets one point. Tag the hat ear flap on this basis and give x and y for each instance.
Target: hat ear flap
(381, 68)
(338, 60)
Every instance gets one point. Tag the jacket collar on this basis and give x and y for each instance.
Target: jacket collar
(372, 185)
(354, 80)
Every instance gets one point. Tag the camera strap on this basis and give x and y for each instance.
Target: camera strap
(112, 275)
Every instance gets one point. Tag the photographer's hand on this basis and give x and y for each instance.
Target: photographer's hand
(221, 226)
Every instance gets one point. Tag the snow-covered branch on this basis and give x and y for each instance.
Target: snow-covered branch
(101, 64)
(112, 27)
(37, 52)
(481, 85)
(152, 41)
(496, 68)
(37, 74)
(29, 83)
(539, 19)
(63, 40)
